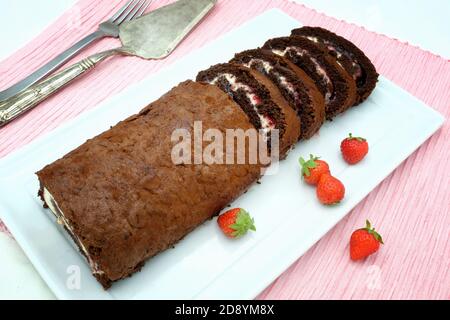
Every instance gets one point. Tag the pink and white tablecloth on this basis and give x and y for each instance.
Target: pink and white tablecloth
(411, 208)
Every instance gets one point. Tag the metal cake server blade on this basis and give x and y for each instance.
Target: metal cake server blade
(153, 36)
(157, 34)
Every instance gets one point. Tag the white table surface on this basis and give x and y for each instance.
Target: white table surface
(422, 23)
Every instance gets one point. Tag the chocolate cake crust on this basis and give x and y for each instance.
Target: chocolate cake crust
(123, 197)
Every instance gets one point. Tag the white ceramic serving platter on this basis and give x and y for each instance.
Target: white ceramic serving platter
(206, 265)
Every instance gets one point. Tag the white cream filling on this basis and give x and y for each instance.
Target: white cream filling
(266, 124)
(319, 69)
(279, 52)
(61, 219)
(313, 39)
(284, 82)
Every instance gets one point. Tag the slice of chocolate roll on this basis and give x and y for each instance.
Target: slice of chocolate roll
(348, 55)
(337, 86)
(297, 89)
(259, 98)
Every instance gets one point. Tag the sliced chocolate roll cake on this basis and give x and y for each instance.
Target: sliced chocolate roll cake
(121, 196)
(303, 98)
(337, 86)
(348, 55)
(259, 98)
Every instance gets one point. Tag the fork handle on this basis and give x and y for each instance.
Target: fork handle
(51, 66)
(29, 98)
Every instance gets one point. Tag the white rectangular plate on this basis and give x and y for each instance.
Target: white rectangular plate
(205, 264)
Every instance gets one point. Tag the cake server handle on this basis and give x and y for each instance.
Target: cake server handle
(28, 98)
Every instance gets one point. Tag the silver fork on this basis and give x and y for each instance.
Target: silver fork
(109, 28)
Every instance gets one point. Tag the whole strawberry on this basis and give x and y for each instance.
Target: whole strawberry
(236, 222)
(330, 190)
(364, 242)
(354, 149)
(313, 169)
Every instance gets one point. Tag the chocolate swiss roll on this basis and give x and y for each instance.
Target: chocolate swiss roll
(295, 86)
(259, 98)
(347, 54)
(337, 86)
(121, 196)
(139, 188)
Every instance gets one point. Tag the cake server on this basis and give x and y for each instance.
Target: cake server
(152, 36)
(109, 28)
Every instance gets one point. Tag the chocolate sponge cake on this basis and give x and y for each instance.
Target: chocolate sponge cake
(348, 55)
(295, 86)
(259, 98)
(337, 86)
(122, 198)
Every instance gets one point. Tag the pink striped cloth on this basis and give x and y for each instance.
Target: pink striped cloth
(410, 208)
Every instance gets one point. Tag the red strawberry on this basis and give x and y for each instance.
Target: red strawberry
(364, 242)
(354, 149)
(236, 222)
(313, 169)
(330, 190)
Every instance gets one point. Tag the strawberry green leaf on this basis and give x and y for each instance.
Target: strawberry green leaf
(372, 231)
(378, 237)
(306, 171)
(307, 165)
(243, 223)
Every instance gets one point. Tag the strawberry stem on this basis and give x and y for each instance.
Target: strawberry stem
(372, 231)
(351, 137)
